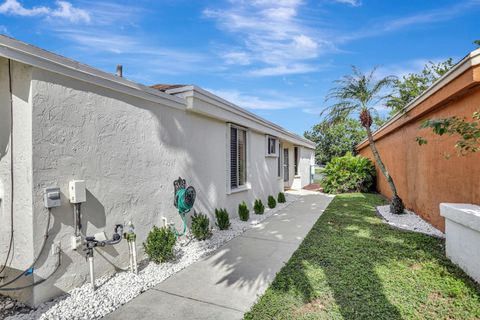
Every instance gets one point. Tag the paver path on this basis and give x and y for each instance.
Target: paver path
(226, 284)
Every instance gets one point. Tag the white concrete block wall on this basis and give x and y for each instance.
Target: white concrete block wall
(462, 234)
(129, 151)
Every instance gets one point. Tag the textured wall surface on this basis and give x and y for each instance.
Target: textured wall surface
(424, 176)
(22, 252)
(129, 151)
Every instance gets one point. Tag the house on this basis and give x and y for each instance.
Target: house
(61, 121)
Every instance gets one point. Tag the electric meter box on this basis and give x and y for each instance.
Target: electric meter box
(78, 192)
(51, 197)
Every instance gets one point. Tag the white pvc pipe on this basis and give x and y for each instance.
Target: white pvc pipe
(134, 254)
(92, 274)
(130, 258)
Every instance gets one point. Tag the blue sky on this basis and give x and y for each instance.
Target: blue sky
(276, 58)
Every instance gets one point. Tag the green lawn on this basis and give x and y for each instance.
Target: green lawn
(353, 266)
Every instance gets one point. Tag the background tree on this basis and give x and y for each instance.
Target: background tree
(412, 85)
(477, 43)
(358, 94)
(335, 140)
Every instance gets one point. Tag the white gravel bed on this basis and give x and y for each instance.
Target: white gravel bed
(408, 221)
(116, 290)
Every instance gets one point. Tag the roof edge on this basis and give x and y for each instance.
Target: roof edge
(470, 60)
(193, 90)
(31, 55)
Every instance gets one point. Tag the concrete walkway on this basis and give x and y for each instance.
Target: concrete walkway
(226, 284)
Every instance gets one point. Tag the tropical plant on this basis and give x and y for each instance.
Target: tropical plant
(281, 197)
(243, 212)
(258, 207)
(272, 203)
(348, 174)
(201, 226)
(223, 220)
(335, 140)
(159, 244)
(468, 132)
(358, 93)
(412, 85)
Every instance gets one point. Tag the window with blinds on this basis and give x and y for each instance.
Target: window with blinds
(238, 157)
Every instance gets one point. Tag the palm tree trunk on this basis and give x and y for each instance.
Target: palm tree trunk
(396, 205)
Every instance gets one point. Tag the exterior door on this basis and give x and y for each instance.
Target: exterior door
(286, 177)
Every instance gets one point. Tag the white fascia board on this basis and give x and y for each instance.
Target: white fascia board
(233, 113)
(470, 60)
(30, 55)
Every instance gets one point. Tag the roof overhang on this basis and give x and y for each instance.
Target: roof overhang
(31, 55)
(204, 102)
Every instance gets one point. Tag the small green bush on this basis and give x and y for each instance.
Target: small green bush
(201, 226)
(159, 244)
(258, 207)
(223, 220)
(271, 202)
(348, 174)
(281, 197)
(243, 212)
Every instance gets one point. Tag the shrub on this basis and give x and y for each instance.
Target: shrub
(271, 202)
(201, 226)
(348, 173)
(159, 244)
(258, 207)
(281, 197)
(243, 212)
(223, 220)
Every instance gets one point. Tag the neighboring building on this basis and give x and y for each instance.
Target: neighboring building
(129, 143)
(423, 175)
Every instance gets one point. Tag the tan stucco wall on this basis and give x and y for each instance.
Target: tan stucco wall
(423, 175)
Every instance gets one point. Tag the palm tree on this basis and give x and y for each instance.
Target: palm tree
(358, 93)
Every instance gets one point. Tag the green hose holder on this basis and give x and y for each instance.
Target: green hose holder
(184, 198)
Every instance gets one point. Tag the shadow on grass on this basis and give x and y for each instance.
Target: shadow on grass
(353, 266)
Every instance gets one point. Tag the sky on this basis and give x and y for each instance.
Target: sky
(276, 58)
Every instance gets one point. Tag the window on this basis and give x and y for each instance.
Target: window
(272, 145)
(295, 160)
(238, 157)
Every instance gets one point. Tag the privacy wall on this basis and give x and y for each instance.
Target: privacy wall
(424, 175)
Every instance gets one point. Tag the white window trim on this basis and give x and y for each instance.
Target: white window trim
(247, 185)
(267, 151)
(280, 158)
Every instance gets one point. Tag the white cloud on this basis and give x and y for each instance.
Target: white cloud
(270, 35)
(236, 57)
(64, 10)
(67, 11)
(273, 100)
(354, 3)
(424, 18)
(283, 70)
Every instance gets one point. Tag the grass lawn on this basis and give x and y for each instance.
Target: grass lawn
(353, 266)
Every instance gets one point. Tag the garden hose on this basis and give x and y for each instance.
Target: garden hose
(185, 199)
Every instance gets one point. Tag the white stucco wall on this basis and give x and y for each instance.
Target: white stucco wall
(22, 251)
(128, 149)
